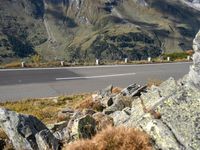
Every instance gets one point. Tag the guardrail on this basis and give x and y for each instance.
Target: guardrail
(63, 63)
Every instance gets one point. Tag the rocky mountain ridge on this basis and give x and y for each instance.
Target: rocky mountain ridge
(85, 29)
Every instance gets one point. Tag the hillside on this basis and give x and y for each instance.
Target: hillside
(88, 29)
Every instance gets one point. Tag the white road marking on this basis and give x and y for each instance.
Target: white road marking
(95, 77)
(90, 67)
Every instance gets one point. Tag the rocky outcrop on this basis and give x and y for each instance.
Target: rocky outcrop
(25, 131)
(194, 74)
(168, 113)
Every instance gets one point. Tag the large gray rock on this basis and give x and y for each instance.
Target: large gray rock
(130, 90)
(105, 92)
(119, 103)
(119, 117)
(84, 127)
(63, 135)
(194, 74)
(21, 129)
(46, 140)
(179, 107)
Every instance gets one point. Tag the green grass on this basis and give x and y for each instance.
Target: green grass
(176, 56)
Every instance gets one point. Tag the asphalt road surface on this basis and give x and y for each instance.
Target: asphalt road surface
(16, 84)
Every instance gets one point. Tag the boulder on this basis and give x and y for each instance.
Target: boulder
(46, 140)
(162, 136)
(119, 103)
(63, 135)
(120, 117)
(105, 92)
(179, 107)
(194, 74)
(21, 129)
(130, 89)
(106, 101)
(83, 127)
(102, 121)
(75, 116)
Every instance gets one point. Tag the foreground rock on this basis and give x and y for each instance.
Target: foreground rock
(194, 74)
(84, 127)
(22, 131)
(178, 108)
(46, 140)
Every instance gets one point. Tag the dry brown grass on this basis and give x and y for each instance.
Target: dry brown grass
(44, 109)
(114, 138)
(116, 90)
(155, 82)
(4, 137)
(3, 134)
(13, 65)
(88, 103)
(103, 121)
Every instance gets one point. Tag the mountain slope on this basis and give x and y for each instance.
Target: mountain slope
(88, 29)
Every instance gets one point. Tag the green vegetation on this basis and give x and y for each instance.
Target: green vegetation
(176, 56)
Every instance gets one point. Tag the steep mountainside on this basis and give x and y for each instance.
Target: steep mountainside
(88, 29)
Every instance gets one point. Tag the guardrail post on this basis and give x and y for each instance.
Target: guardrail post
(149, 59)
(62, 63)
(97, 61)
(168, 58)
(23, 64)
(126, 60)
(188, 58)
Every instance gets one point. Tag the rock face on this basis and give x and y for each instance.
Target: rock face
(84, 127)
(22, 130)
(194, 74)
(46, 140)
(179, 109)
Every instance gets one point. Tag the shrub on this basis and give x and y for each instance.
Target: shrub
(36, 59)
(175, 56)
(114, 138)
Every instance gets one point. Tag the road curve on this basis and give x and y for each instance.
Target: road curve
(16, 84)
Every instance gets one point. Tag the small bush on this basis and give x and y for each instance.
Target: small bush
(119, 138)
(36, 59)
(175, 56)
